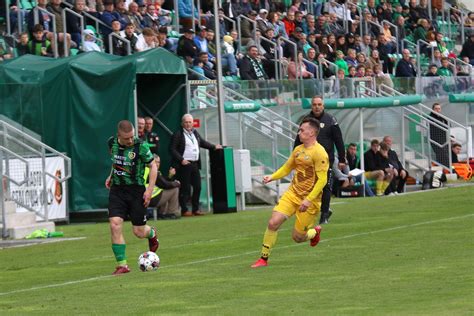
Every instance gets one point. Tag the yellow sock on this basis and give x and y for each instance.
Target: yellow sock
(385, 185)
(269, 240)
(379, 187)
(311, 233)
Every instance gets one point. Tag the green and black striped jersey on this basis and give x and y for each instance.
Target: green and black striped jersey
(128, 163)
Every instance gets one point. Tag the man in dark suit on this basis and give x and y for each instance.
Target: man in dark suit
(399, 173)
(184, 148)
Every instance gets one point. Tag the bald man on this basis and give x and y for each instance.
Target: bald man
(185, 158)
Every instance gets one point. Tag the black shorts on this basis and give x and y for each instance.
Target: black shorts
(126, 201)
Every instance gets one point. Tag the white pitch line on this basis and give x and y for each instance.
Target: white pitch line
(240, 254)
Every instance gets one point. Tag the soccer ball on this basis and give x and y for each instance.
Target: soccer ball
(148, 261)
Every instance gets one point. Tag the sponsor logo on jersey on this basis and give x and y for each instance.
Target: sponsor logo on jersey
(131, 155)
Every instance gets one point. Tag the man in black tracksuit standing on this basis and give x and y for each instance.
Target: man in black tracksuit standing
(329, 135)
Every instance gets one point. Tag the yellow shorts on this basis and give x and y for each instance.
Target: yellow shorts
(289, 205)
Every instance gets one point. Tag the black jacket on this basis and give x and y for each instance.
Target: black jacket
(370, 161)
(436, 133)
(329, 135)
(394, 161)
(178, 144)
(351, 161)
(405, 69)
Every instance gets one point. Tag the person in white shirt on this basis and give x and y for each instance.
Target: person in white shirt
(184, 148)
(147, 40)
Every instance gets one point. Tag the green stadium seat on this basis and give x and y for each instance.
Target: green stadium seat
(74, 52)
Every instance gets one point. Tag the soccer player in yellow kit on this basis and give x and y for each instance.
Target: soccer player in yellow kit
(303, 197)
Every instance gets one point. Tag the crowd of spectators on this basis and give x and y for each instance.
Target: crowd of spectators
(357, 37)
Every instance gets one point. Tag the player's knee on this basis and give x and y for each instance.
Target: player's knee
(273, 225)
(139, 232)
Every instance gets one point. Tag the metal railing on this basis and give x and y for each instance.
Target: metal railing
(239, 30)
(55, 33)
(19, 154)
(418, 55)
(396, 34)
(63, 14)
(275, 54)
(295, 53)
(119, 38)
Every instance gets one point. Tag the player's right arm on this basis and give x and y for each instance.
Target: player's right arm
(110, 142)
(282, 172)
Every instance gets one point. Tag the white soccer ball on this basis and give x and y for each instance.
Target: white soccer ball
(148, 261)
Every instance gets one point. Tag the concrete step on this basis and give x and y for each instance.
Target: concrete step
(10, 207)
(20, 219)
(23, 231)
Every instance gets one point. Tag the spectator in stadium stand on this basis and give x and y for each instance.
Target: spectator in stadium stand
(381, 77)
(211, 44)
(73, 22)
(235, 40)
(322, 26)
(200, 40)
(400, 175)
(468, 48)
(151, 137)
(341, 63)
(129, 34)
(441, 44)
(289, 21)
(56, 7)
(413, 12)
(438, 134)
(43, 18)
(165, 42)
(232, 9)
(246, 6)
(445, 70)
(135, 17)
(362, 60)
(365, 45)
(251, 67)
(422, 10)
(228, 45)
(372, 8)
(184, 148)
(373, 169)
(185, 9)
(151, 19)
(186, 46)
(360, 71)
(277, 25)
(223, 27)
(404, 67)
(297, 69)
(247, 30)
(303, 198)
(309, 24)
(455, 151)
(351, 58)
(119, 47)
(208, 70)
(39, 45)
(89, 43)
(146, 40)
(108, 16)
(299, 19)
(164, 16)
(386, 48)
(199, 70)
(165, 195)
(341, 44)
(121, 10)
(262, 22)
(436, 60)
(350, 42)
(22, 46)
(333, 26)
(329, 136)
(432, 71)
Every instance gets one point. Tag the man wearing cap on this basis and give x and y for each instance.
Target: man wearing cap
(186, 46)
(262, 21)
(247, 29)
(200, 40)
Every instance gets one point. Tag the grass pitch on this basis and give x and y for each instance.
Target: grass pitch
(402, 255)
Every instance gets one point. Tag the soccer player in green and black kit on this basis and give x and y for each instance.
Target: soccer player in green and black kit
(128, 196)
